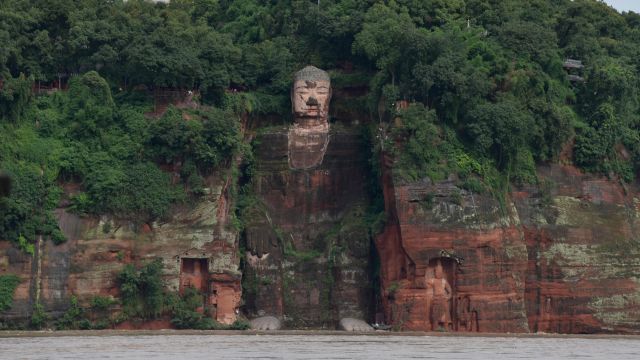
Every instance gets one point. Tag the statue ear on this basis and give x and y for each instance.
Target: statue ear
(293, 89)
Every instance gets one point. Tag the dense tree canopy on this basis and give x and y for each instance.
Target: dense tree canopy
(485, 79)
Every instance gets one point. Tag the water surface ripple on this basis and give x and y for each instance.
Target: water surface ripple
(315, 347)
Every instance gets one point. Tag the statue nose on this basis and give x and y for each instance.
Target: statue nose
(312, 101)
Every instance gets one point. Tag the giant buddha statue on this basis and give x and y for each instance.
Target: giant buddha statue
(307, 250)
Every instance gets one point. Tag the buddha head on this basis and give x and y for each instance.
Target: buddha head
(438, 270)
(311, 94)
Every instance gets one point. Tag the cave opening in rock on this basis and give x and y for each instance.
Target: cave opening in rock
(194, 272)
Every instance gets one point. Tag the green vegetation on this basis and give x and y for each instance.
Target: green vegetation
(73, 318)
(142, 290)
(488, 96)
(143, 296)
(185, 314)
(297, 256)
(39, 317)
(486, 85)
(393, 288)
(111, 151)
(8, 285)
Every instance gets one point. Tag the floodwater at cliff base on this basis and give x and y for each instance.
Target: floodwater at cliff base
(141, 345)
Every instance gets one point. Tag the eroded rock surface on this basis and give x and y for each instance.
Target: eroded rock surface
(477, 247)
(196, 246)
(266, 323)
(581, 233)
(351, 324)
(561, 256)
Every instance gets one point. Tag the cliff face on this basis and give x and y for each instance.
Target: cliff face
(477, 242)
(581, 233)
(559, 257)
(307, 246)
(196, 246)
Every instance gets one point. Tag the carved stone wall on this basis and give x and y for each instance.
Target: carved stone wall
(308, 249)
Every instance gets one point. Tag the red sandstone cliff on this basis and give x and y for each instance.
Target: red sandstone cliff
(559, 257)
(197, 248)
(478, 243)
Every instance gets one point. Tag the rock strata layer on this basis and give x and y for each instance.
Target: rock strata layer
(560, 257)
(197, 248)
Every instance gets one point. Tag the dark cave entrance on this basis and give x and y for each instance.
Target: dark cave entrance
(194, 272)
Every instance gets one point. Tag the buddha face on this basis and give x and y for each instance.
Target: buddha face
(438, 270)
(311, 98)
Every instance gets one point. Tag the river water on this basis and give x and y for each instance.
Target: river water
(315, 347)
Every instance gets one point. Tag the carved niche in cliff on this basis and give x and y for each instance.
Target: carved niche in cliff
(439, 293)
(466, 317)
(446, 308)
(221, 293)
(309, 135)
(194, 272)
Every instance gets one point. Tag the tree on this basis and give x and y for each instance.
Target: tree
(15, 95)
(386, 37)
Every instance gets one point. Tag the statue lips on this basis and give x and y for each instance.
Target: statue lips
(312, 111)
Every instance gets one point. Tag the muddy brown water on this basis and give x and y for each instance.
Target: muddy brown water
(322, 346)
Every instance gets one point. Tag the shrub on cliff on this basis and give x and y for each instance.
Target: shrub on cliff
(39, 317)
(143, 296)
(90, 107)
(139, 191)
(8, 285)
(142, 290)
(185, 314)
(209, 140)
(73, 318)
(96, 316)
(418, 144)
(15, 94)
(27, 212)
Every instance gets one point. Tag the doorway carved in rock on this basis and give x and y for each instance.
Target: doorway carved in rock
(194, 272)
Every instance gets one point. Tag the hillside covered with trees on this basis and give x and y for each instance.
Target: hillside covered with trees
(488, 97)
